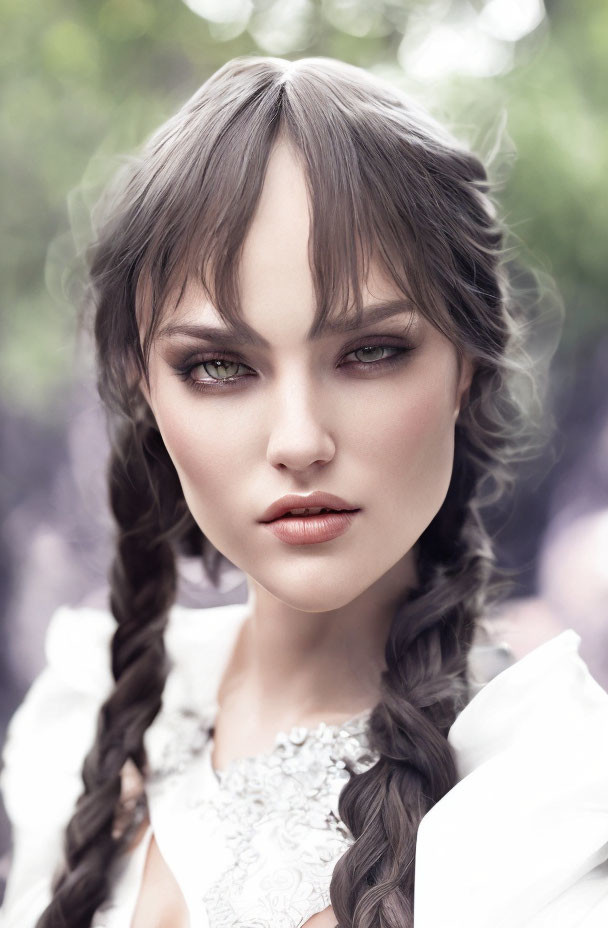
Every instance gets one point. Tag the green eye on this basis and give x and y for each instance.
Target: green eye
(219, 366)
(222, 371)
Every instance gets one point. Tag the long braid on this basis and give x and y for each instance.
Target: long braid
(424, 687)
(143, 582)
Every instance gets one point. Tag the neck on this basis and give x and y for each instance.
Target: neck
(296, 667)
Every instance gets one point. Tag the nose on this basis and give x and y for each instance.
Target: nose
(299, 432)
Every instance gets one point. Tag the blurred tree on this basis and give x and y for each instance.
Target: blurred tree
(83, 77)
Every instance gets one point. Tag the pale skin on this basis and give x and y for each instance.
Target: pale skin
(312, 646)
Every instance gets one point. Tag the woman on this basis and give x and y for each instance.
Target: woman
(300, 304)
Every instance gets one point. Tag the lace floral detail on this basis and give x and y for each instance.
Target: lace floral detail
(305, 767)
(278, 812)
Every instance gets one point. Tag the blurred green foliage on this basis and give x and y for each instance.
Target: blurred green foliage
(82, 79)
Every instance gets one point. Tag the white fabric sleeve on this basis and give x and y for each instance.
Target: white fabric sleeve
(47, 740)
(522, 838)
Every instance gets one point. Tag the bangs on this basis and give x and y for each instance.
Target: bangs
(373, 181)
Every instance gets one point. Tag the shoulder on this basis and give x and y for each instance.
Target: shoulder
(544, 695)
(523, 832)
(55, 723)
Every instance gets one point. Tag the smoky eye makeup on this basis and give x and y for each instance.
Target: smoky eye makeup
(217, 367)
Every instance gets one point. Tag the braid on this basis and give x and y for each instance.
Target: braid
(424, 687)
(143, 581)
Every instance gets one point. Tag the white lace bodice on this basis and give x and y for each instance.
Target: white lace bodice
(266, 829)
(278, 814)
(521, 841)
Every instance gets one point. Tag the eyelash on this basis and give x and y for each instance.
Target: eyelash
(204, 386)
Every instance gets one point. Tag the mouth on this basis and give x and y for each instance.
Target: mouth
(312, 528)
(308, 513)
(310, 506)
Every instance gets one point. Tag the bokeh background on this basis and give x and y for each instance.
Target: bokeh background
(525, 83)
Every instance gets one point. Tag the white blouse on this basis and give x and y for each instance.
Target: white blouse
(520, 840)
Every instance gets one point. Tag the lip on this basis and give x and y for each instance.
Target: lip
(310, 530)
(312, 501)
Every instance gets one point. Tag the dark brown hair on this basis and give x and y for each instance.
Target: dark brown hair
(385, 181)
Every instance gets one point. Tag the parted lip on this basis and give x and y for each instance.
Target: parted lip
(312, 501)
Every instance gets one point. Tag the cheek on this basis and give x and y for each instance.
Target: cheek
(206, 452)
(406, 440)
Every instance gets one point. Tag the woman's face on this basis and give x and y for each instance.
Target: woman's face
(304, 415)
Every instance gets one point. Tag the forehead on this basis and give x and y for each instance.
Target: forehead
(275, 280)
(277, 240)
(276, 283)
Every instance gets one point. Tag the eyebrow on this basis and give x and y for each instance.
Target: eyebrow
(245, 334)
